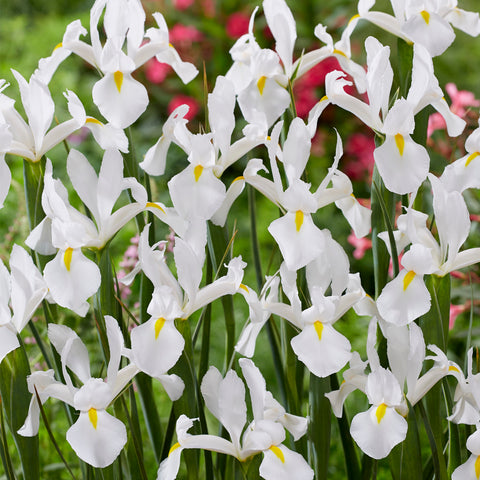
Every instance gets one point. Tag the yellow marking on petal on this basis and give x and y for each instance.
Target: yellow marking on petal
(426, 16)
(471, 157)
(244, 287)
(158, 326)
(118, 78)
(323, 99)
(298, 219)
(278, 453)
(407, 280)
(261, 84)
(339, 52)
(354, 17)
(92, 415)
(93, 120)
(452, 368)
(400, 141)
(67, 258)
(380, 413)
(477, 467)
(59, 45)
(174, 447)
(241, 177)
(269, 137)
(154, 205)
(318, 328)
(197, 171)
(170, 45)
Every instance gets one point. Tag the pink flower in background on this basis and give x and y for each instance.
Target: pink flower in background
(305, 98)
(361, 245)
(156, 71)
(460, 100)
(237, 25)
(183, 4)
(455, 311)
(184, 35)
(184, 100)
(360, 148)
(315, 77)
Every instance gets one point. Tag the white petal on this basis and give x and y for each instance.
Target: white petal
(71, 288)
(402, 172)
(377, 438)
(121, 106)
(299, 239)
(404, 298)
(155, 353)
(280, 463)
(98, 446)
(323, 353)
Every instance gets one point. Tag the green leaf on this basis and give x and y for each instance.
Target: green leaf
(405, 458)
(435, 328)
(383, 206)
(320, 425)
(16, 399)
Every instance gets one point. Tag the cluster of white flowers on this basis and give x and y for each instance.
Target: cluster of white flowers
(259, 81)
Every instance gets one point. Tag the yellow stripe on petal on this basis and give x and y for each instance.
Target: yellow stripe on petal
(158, 326)
(261, 84)
(59, 45)
(197, 172)
(400, 141)
(407, 280)
(339, 52)
(93, 416)
(241, 177)
(452, 368)
(118, 78)
(244, 287)
(154, 205)
(318, 328)
(380, 413)
(298, 219)
(174, 447)
(67, 258)
(426, 16)
(477, 467)
(353, 18)
(278, 453)
(93, 120)
(323, 99)
(471, 157)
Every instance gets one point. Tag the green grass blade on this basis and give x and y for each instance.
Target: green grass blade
(350, 454)
(319, 428)
(405, 458)
(16, 400)
(51, 436)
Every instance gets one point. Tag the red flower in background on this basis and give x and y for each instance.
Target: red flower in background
(359, 148)
(156, 71)
(183, 4)
(184, 100)
(237, 25)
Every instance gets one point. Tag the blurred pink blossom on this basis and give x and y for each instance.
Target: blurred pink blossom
(455, 311)
(184, 35)
(178, 100)
(360, 148)
(460, 100)
(237, 24)
(361, 245)
(183, 4)
(156, 71)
